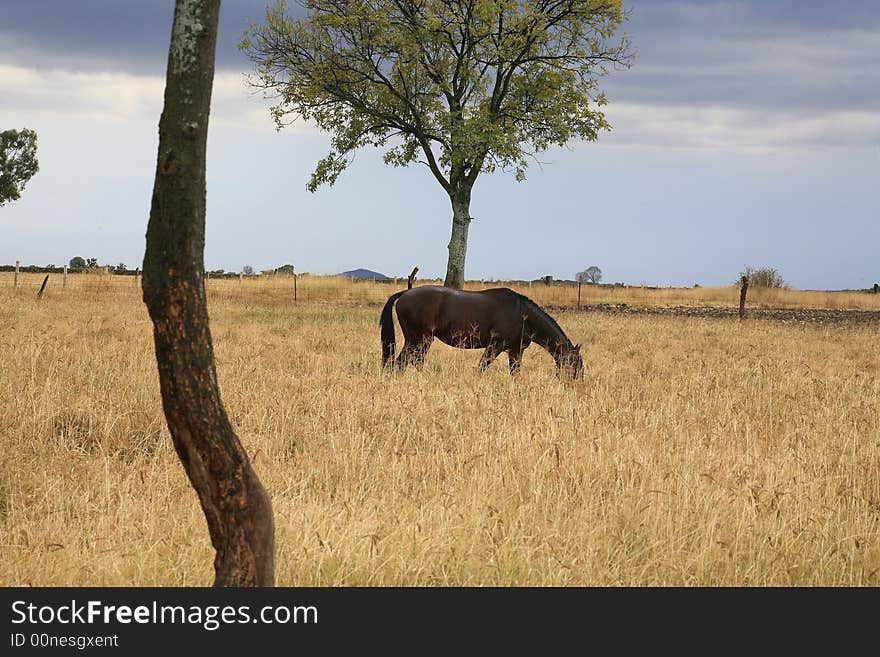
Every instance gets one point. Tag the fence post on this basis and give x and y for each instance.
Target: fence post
(15, 280)
(43, 287)
(742, 296)
(240, 278)
(579, 295)
(64, 284)
(294, 285)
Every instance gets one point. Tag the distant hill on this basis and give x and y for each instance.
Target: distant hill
(365, 273)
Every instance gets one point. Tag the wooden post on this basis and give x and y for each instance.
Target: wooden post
(15, 280)
(43, 287)
(64, 284)
(294, 285)
(742, 296)
(240, 278)
(579, 295)
(412, 277)
(137, 271)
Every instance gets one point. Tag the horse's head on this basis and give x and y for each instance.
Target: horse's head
(570, 365)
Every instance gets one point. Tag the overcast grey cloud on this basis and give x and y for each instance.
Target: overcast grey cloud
(109, 35)
(739, 121)
(797, 55)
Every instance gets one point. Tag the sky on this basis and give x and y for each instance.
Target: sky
(746, 134)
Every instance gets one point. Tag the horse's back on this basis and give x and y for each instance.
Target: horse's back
(460, 317)
(457, 301)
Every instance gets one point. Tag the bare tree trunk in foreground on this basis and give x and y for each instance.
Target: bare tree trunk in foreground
(235, 504)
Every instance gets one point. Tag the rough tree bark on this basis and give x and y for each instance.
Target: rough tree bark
(236, 506)
(461, 221)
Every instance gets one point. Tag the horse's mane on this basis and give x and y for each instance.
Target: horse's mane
(534, 307)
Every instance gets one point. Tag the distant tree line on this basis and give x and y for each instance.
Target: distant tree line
(75, 264)
(80, 264)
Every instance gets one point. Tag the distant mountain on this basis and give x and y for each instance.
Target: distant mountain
(365, 273)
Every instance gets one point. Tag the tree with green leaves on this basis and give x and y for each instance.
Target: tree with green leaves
(77, 262)
(462, 86)
(18, 162)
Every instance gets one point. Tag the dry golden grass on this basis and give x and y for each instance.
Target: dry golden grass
(695, 451)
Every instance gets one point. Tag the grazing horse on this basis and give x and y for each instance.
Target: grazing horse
(495, 320)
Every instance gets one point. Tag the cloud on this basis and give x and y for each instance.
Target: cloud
(828, 69)
(729, 76)
(761, 16)
(733, 129)
(129, 36)
(59, 95)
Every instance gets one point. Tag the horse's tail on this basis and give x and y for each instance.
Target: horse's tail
(386, 321)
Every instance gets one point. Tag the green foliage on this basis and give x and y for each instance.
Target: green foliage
(120, 268)
(468, 85)
(77, 263)
(18, 162)
(286, 269)
(91, 263)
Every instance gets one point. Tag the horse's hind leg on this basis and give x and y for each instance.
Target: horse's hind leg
(413, 353)
(514, 359)
(405, 357)
(421, 352)
(489, 355)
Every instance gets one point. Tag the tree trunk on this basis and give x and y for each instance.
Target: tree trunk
(461, 220)
(235, 504)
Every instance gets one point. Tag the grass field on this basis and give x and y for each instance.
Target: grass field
(694, 452)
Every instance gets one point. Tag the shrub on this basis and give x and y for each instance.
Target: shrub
(763, 277)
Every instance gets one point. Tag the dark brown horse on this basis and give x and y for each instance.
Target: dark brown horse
(495, 320)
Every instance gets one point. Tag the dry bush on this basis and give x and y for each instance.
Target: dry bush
(766, 277)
